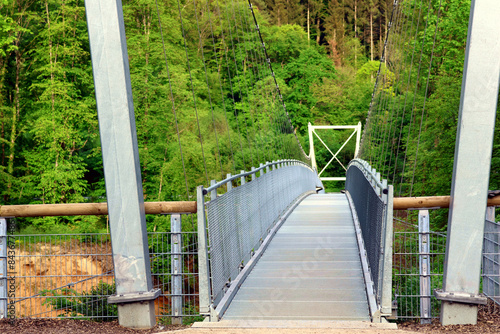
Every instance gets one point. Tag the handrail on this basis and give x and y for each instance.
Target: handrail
(431, 202)
(90, 209)
(253, 171)
(96, 209)
(368, 171)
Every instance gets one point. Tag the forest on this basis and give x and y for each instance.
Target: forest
(206, 102)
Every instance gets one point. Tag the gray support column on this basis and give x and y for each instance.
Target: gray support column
(121, 163)
(471, 169)
(176, 264)
(203, 266)
(424, 261)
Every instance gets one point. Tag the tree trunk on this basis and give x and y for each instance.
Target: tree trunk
(355, 34)
(50, 55)
(381, 37)
(3, 71)
(308, 26)
(318, 36)
(15, 117)
(371, 35)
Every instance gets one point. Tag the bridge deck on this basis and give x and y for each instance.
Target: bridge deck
(310, 271)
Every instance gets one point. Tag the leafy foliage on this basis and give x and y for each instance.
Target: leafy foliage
(91, 305)
(205, 76)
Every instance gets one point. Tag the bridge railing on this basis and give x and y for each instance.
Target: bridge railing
(491, 257)
(72, 275)
(232, 226)
(371, 202)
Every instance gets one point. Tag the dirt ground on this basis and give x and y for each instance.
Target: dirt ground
(488, 322)
(64, 326)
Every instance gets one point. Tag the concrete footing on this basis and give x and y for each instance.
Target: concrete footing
(458, 314)
(139, 315)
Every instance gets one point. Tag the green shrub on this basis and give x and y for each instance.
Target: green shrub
(91, 305)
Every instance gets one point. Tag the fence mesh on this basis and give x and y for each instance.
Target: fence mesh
(491, 261)
(370, 210)
(239, 220)
(406, 273)
(72, 275)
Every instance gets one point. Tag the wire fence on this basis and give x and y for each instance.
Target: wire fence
(418, 257)
(409, 277)
(491, 261)
(71, 275)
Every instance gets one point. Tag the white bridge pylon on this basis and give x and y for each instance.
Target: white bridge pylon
(312, 153)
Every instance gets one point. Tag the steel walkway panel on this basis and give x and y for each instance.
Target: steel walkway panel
(312, 245)
(300, 309)
(291, 265)
(292, 294)
(310, 271)
(305, 283)
(279, 273)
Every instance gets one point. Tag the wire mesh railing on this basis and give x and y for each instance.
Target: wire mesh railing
(372, 202)
(417, 271)
(418, 266)
(239, 220)
(72, 275)
(491, 261)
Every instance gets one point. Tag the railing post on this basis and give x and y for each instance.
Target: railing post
(230, 183)
(369, 176)
(242, 178)
(253, 174)
(267, 167)
(274, 166)
(176, 267)
(377, 176)
(3, 268)
(424, 269)
(386, 286)
(213, 193)
(262, 170)
(203, 267)
(490, 213)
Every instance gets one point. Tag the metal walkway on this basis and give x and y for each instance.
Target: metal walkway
(310, 271)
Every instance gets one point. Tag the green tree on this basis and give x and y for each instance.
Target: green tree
(62, 118)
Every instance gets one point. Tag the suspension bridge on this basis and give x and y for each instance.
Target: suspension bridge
(271, 244)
